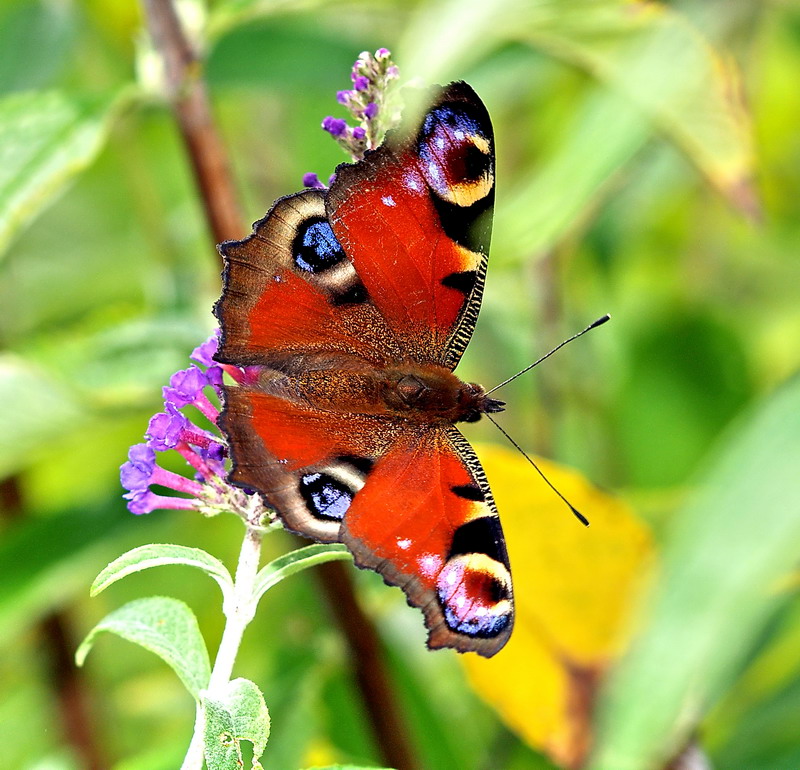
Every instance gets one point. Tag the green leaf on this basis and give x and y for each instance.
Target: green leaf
(232, 13)
(723, 562)
(160, 554)
(295, 561)
(46, 139)
(53, 28)
(664, 67)
(235, 715)
(166, 627)
(65, 379)
(296, 690)
(115, 362)
(535, 215)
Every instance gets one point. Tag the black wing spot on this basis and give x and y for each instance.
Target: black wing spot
(475, 163)
(469, 492)
(361, 464)
(315, 247)
(326, 497)
(463, 281)
(482, 535)
(354, 295)
(468, 226)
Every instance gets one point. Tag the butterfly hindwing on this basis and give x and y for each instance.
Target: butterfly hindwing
(307, 463)
(426, 521)
(413, 505)
(415, 217)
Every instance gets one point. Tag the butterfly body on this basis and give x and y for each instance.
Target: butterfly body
(420, 394)
(356, 304)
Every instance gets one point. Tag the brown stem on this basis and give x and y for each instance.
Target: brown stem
(369, 669)
(68, 683)
(73, 699)
(212, 172)
(187, 92)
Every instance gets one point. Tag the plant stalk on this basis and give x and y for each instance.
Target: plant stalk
(187, 93)
(239, 610)
(239, 615)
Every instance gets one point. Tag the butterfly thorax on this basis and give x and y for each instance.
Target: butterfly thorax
(423, 393)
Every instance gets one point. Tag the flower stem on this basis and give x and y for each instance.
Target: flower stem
(239, 610)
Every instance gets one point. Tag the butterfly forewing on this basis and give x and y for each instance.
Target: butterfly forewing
(290, 292)
(415, 218)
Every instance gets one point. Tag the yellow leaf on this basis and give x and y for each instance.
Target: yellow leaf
(574, 587)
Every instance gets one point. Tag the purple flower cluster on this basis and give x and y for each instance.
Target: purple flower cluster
(369, 102)
(204, 450)
(311, 180)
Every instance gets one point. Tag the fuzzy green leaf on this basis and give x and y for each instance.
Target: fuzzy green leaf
(166, 627)
(295, 561)
(160, 554)
(235, 715)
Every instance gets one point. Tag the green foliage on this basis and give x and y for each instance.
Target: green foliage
(46, 138)
(725, 554)
(343, 767)
(45, 562)
(38, 410)
(228, 711)
(295, 561)
(240, 713)
(166, 627)
(158, 555)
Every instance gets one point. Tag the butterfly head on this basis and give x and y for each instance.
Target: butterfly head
(474, 402)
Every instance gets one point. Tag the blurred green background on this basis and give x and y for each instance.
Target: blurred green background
(648, 166)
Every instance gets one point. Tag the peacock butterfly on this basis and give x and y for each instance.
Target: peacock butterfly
(356, 304)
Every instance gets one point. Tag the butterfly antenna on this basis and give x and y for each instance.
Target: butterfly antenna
(598, 322)
(578, 515)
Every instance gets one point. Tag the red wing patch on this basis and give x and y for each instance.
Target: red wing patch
(307, 463)
(290, 290)
(425, 520)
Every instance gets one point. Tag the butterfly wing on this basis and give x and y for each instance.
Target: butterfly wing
(290, 293)
(307, 463)
(415, 218)
(413, 505)
(389, 264)
(426, 521)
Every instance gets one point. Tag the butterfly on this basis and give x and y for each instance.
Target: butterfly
(356, 303)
